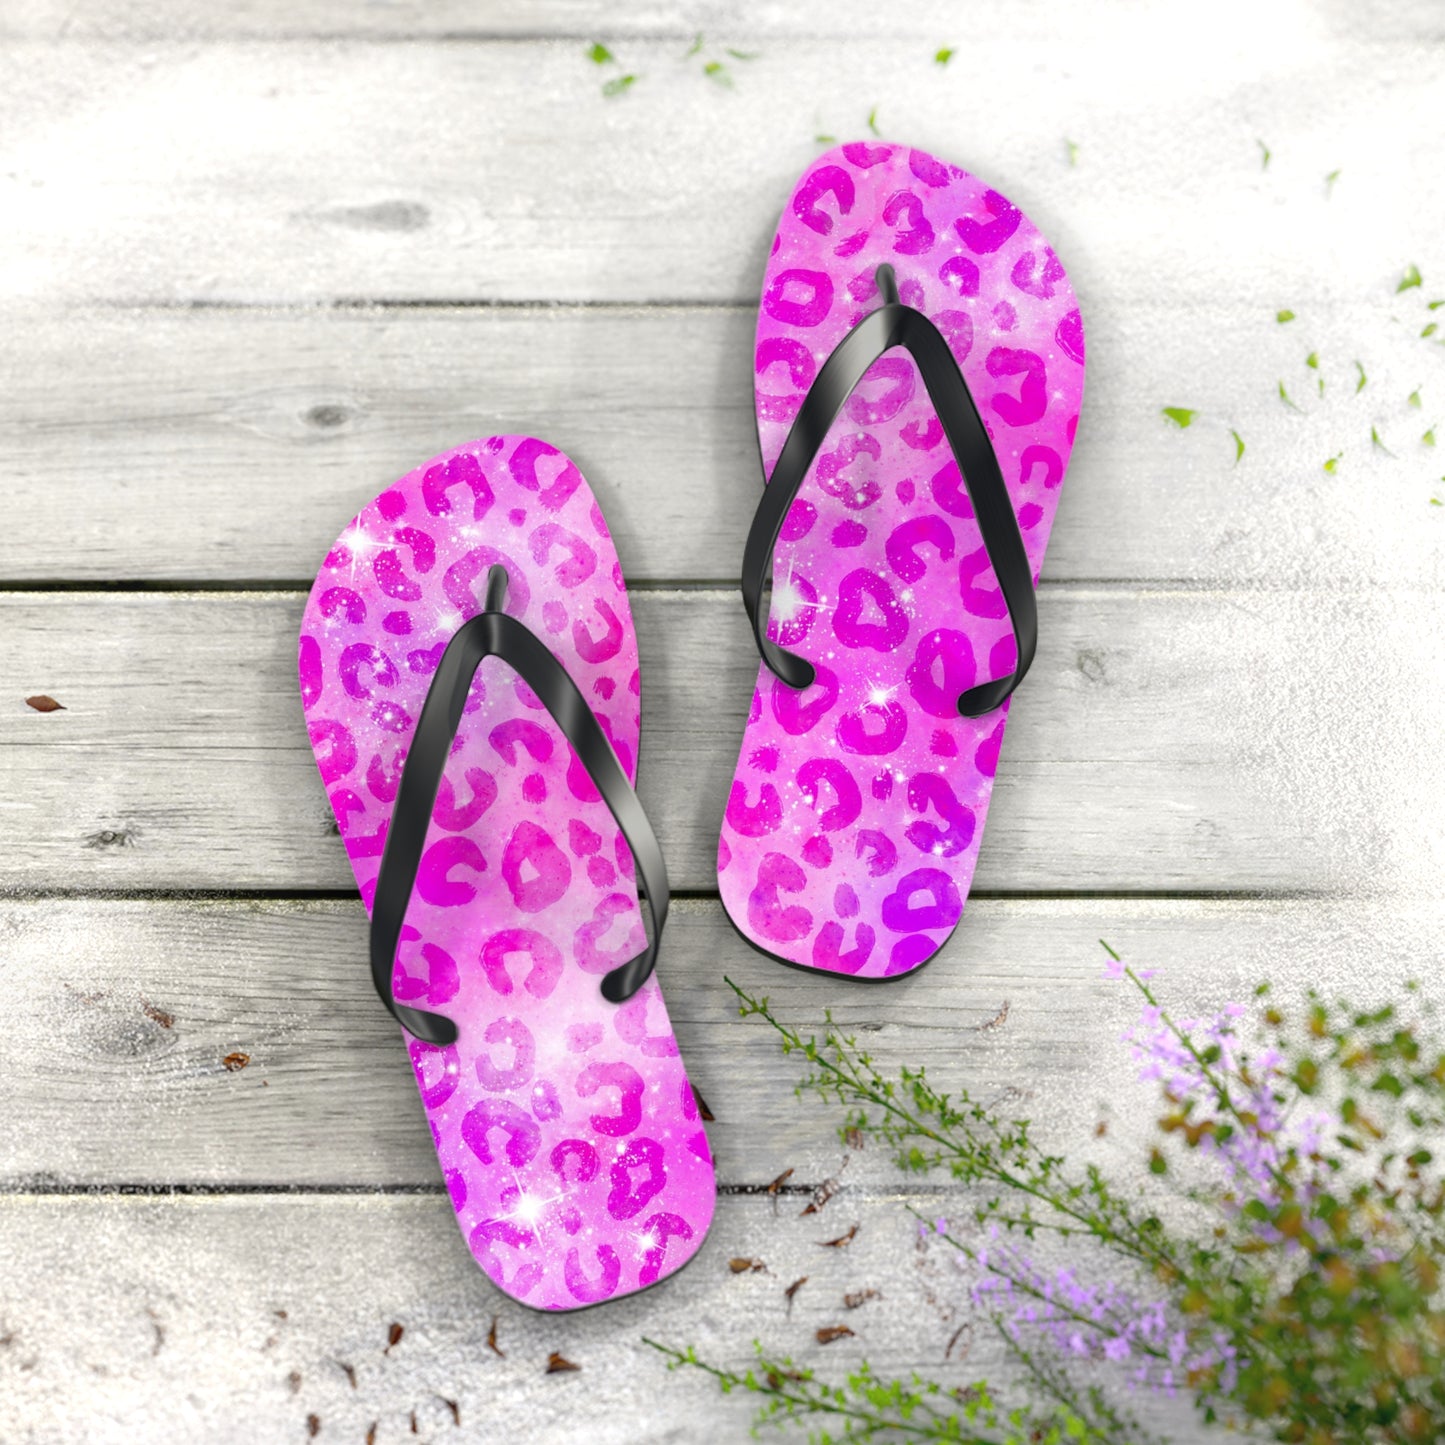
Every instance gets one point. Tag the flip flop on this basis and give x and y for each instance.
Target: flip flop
(455, 645)
(902, 527)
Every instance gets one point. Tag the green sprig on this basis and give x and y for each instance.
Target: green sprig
(868, 1405)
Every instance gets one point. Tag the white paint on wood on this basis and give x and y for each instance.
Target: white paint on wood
(719, 23)
(222, 446)
(230, 1320)
(1165, 740)
(143, 1001)
(499, 171)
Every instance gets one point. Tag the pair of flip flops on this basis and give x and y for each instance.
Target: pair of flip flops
(470, 678)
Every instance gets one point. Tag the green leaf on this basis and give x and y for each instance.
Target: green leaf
(1264, 155)
(1181, 416)
(1435, 305)
(1330, 182)
(826, 140)
(1313, 361)
(1377, 440)
(618, 85)
(1238, 445)
(1284, 396)
(943, 56)
(1414, 397)
(1283, 316)
(1431, 329)
(743, 54)
(1072, 151)
(1158, 1164)
(1409, 279)
(694, 47)
(873, 121)
(1332, 466)
(716, 70)
(1429, 437)
(600, 54)
(1360, 384)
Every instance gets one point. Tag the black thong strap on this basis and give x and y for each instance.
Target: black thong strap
(894, 324)
(491, 633)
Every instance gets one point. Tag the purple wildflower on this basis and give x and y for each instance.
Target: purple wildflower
(1252, 1140)
(1095, 1321)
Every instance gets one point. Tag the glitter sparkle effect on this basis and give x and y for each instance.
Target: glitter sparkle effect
(565, 1125)
(854, 820)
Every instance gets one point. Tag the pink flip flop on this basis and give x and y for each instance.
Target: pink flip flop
(456, 642)
(903, 526)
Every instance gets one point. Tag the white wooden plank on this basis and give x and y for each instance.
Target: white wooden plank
(319, 170)
(1167, 739)
(934, 21)
(144, 1000)
(223, 446)
(214, 446)
(224, 1319)
(721, 24)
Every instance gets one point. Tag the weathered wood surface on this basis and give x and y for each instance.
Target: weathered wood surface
(224, 446)
(312, 171)
(1169, 740)
(529, 19)
(144, 1000)
(720, 21)
(162, 1319)
(235, 239)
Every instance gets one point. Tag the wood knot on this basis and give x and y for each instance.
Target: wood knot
(1091, 664)
(327, 415)
(381, 216)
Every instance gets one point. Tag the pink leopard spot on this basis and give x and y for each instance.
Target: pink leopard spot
(581, 1037)
(535, 868)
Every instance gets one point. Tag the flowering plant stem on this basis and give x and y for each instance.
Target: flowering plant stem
(1304, 1298)
(975, 1144)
